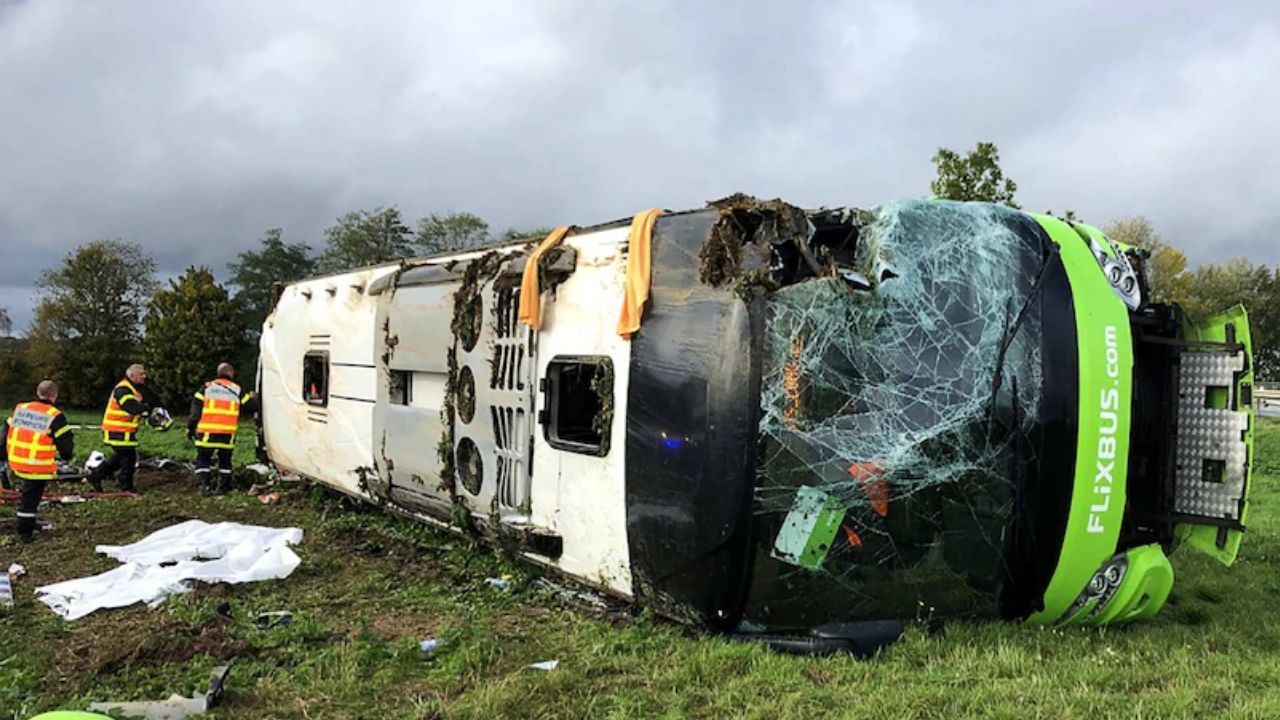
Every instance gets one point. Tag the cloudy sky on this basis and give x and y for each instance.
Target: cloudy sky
(192, 127)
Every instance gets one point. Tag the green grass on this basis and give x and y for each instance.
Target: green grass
(371, 585)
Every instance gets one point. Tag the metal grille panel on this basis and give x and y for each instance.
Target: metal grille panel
(509, 366)
(1209, 438)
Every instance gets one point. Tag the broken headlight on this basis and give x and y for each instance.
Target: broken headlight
(1102, 586)
(1119, 271)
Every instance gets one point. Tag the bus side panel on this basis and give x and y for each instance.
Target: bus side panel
(691, 437)
(327, 440)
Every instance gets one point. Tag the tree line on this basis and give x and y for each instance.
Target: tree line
(102, 306)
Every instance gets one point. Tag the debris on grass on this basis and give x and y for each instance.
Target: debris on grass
(12, 497)
(498, 582)
(224, 613)
(276, 618)
(167, 561)
(546, 665)
(429, 645)
(269, 498)
(176, 707)
(6, 592)
(17, 571)
(164, 463)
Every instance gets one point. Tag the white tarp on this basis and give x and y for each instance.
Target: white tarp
(165, 562)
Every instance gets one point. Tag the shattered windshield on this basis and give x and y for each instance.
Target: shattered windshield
(896, 412)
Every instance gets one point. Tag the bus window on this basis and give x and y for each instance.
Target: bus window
(315, 378)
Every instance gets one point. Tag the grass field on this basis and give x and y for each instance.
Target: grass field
(371, 586)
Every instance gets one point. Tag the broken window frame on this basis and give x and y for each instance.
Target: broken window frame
(307, 359)
(549, 417)
(400, 387)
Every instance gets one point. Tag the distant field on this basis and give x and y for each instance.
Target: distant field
(371, 586)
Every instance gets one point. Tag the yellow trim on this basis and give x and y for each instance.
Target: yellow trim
(205, 442)
(62, 431)
(130, 438)
(33, 445)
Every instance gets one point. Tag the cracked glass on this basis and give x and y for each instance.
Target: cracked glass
(895, 420)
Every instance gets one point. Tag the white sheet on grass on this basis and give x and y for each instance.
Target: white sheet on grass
(165, 562)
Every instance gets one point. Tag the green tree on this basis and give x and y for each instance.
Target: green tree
(532, 234)
(191, 326)
(86, 327)
(449, 232)
(1166, 267)
(16, 383)
(976, 176)
(1218, 286)
(255, 272)
(364, 238)
(15, 376)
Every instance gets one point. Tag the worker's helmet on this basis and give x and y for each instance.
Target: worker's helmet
(160, 419)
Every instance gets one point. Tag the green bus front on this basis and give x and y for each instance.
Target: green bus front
(993, 420)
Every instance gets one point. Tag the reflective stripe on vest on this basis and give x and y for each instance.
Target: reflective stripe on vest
(32, 454)
(220, 413)
(115, 419)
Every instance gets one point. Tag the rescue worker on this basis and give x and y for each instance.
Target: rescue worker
(125, 409)
(212, 423)
(37, 435)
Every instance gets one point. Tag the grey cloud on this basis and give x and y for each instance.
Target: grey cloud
(191, 128)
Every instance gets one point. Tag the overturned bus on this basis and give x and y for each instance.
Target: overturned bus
(825, 416)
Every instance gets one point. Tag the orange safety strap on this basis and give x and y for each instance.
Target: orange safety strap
(635, 293)
(530, 294)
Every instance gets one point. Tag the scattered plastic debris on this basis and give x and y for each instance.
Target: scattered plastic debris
(12, 497)
(176, 707)
(164, 463)
(259, 468)
(578, 597)
(546, 665)
(17, 571)
(165, 562)
(429, 645)
(498, 582)
(277, 618)
(269, 498)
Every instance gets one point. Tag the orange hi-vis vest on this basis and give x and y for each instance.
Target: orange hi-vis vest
(116, 420)
(220, 413)
(32, 455)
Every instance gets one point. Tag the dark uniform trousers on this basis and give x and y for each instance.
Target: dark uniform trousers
(124, 460)
(204, 460)
(28, 504)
